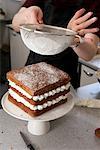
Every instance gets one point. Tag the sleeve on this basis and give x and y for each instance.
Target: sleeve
(29, 3)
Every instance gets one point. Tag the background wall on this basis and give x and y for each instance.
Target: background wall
(11, 6)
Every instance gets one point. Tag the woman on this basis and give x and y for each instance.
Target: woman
(64, 13)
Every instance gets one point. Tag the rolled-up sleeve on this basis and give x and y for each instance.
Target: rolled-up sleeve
(29, 3)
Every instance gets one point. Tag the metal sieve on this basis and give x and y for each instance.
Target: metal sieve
(46, 39)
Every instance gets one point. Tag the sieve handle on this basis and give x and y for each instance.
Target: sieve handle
(81, 40)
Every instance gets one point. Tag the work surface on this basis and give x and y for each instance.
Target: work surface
(74, 131)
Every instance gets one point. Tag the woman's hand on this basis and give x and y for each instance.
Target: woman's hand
(31, 15)
(80, 22)
(88, 48)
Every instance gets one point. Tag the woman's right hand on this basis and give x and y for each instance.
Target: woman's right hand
(30, 15)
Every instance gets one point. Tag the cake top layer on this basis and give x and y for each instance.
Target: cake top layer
(38, 76)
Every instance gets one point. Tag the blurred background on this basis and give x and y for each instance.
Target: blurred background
(7, 10)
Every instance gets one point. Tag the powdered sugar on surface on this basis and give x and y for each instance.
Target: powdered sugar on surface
(39, 75)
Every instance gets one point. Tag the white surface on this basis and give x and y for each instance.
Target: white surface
(96, 61)
(55, 113)
(89, 96)
(74, 131)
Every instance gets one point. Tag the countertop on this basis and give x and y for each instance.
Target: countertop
(74, 131)
(91, 91)
(93, 64)
(89, 96)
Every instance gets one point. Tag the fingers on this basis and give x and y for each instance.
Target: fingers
(34, 15)
(40, 17)
(81, 22)
(86, 23)
(32, 19)
(78, 14)
(84, 31)
(84, 18)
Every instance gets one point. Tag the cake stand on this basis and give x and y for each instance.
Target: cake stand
(41, 124)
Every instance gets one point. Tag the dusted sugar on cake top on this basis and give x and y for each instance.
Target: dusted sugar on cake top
(38, 76)
(38, 88)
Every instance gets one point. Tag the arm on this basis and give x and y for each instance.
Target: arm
(28, 3)
(39, 3)
(80, 24)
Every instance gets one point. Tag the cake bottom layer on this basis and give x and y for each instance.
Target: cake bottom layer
(34, 113)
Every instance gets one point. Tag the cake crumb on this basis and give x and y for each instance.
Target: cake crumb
(2, 132)
(97, 132)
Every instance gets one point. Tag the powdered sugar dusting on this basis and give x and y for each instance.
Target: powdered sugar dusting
(46, 44)
(39, 75)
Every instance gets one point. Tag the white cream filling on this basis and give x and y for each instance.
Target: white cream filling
(40, 97)
(38, 107)
(52, 92)
(12, 84)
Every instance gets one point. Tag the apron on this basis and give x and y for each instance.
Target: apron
(66, 60)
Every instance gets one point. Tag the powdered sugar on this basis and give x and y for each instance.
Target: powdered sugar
(39, 75)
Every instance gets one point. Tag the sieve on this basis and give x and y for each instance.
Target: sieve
(46, 39)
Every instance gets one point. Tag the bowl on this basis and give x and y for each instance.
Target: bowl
(46, 39)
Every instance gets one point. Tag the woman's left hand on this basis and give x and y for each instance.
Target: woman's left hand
(80, 22)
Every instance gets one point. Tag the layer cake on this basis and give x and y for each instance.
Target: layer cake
(38, 88)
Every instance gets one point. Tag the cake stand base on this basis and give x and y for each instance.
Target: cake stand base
(41, 124)
(38, 127)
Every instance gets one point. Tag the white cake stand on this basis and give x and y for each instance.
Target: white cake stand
(41, 124)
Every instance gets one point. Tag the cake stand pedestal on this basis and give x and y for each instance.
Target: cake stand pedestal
(38, 127)
(41, 124)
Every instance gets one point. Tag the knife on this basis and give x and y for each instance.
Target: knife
(27, 142)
